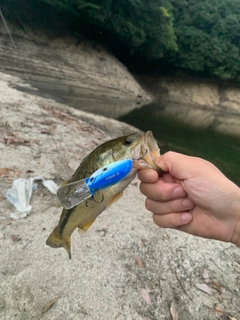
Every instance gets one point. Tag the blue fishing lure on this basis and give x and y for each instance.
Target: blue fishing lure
(74, 193)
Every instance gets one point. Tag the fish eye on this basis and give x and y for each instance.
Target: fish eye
(91, 180)
(104, 169)
(128, 141)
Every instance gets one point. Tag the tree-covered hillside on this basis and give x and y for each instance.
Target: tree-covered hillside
(200, 36)
(141, 27)
(208, 36)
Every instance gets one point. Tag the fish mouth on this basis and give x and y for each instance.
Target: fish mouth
(148, 151)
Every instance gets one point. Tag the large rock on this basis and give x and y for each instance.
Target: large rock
(77, 72)
(198, 102)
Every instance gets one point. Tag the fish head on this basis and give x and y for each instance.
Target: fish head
(125, 147)
(142, 148)
(110, 151)
(147, 152)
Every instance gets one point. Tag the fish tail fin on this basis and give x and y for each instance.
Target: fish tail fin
(55, 241)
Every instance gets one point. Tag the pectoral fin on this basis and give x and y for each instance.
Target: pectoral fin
(85, 227)
(115, 198)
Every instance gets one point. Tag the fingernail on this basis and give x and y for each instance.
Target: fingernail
(186, 217)
(187, 203)
(178, 192)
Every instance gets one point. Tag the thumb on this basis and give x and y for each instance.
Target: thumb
(181, 166)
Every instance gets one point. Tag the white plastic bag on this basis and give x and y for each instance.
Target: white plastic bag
(20, 194)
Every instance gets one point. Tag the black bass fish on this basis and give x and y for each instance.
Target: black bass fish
(133, 146)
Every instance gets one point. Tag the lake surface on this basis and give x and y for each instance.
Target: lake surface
(222, 150)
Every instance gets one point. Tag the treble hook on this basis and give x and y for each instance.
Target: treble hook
(96, 200)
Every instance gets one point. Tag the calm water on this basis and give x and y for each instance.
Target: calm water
(222, 150)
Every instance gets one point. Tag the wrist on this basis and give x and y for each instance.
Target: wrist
(236, 235)
(236, 232)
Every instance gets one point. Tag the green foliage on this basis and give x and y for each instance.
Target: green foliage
(144, 27)
(208, 36)
(202, 36)
(164, 12)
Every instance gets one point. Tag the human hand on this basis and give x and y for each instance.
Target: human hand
(192, 196)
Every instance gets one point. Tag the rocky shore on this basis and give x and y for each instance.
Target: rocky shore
(81, 74)
(196, 102)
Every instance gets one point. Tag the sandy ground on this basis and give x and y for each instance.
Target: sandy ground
(125, 267)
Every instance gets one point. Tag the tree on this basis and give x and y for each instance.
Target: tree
(143, 27)
(208, 36)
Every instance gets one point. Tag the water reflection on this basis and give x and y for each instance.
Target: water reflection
(222, 150)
